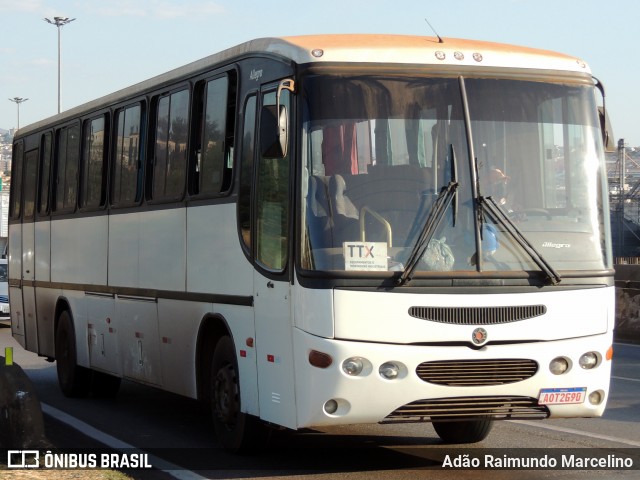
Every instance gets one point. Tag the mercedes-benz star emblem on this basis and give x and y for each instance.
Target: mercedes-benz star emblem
(479, 336)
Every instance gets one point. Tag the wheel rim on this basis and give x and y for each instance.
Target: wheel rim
(225, 396)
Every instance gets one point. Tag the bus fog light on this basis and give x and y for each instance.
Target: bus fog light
(588, 360)
(331, 407)
(389, 370)
(596, 398)
(559, 365)
(353, 366)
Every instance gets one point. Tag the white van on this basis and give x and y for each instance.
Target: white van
(4, 291)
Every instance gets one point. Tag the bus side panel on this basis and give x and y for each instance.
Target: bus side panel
(162, 250)
(102, 326)
(178, 324)
(46, 299)
(241, 321)
(78, 308)
(213, 247)
(43, 251)
(81, 259)
(45, 309)
(138, 339)
(124, 237)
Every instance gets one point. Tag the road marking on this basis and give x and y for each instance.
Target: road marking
(158, 463)
(627, 379)
(625, 441)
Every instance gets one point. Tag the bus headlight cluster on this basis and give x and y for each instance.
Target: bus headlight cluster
(389, 370)
(587, 361)
(353, 366)
(361, 367)
(559, 365)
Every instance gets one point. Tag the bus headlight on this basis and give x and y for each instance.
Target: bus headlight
(389, 370)
(588, 360)
(559, 365)
(353, 366)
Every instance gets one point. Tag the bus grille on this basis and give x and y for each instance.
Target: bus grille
(478, 315)
(477, 373)
(463, 408)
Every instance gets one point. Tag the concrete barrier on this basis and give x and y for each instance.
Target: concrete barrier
(21, 422)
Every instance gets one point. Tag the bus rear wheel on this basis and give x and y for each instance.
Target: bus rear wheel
(238, 432)
(463, 431)
(74, 380)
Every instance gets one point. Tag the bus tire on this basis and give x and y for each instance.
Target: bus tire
(463, 431)
(74, 380)
(238, 432)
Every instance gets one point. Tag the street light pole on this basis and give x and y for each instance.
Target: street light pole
(59, 22)
(18, 101)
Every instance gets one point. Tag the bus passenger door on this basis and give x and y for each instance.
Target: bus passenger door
(272, 299)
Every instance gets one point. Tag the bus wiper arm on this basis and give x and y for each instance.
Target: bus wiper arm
(440, 206)
(503, 219)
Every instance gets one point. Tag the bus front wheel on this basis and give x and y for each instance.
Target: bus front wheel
(74, 380)
(237, 431)
(463, 431)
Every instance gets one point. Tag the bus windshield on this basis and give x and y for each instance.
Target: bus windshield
(379, 150)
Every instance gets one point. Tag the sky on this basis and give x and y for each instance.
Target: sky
(112, 44)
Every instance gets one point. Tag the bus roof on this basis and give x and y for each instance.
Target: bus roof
(353, 48)
(419, 50)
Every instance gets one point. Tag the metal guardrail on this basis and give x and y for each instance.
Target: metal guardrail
(626, 261)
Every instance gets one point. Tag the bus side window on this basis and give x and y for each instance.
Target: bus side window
(170, 149)
(92, 168)
(126, 175)
(211, 170)
(246, 170)
(16, 193)
(67, 156)
(45, 174)
(29, 183)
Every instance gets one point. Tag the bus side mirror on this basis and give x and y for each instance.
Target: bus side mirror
(607, 132)
(605, 125)
(274, 132)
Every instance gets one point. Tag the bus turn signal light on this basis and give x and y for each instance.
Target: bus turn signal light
(320, 359)
(610, 353)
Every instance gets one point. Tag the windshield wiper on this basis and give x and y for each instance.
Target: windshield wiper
(440, 206)
(500, 216)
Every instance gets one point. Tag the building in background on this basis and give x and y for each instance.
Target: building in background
(6, 137)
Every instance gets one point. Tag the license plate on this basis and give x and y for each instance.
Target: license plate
(562, 396)
(4, 308)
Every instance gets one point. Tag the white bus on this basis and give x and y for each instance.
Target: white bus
(323, 230)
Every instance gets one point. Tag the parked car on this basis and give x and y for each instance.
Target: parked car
(4, 292)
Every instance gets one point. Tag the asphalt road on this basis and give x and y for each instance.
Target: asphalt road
(177, 433)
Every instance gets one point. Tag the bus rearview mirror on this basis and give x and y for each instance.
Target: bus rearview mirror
(273, 131)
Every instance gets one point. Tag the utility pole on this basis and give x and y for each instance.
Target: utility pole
(59, 22)
(622, 194)
(18, 101)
